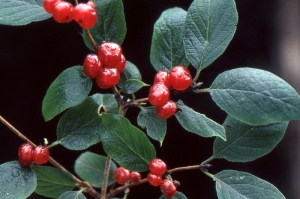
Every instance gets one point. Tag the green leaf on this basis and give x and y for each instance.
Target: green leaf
(132, 85)
(167, 41)
(232, 184)
(90, 167)
(72, 195)
(70, 88)
(111, 24)
(198, 123)
(21, 12)
(125, 143)
(52, 182)
(178, 195)
(255, 97)
(79, 127)
(16, 182)
(210, 26)
(246, 142)
(130, 72)
(156, 127)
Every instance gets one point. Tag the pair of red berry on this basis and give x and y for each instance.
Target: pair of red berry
(106, 66)
(122, 175)
(178, 78)
(27, 154)
(63, 12)
(157, 169)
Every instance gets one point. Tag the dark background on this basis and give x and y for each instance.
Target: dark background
(32, 56)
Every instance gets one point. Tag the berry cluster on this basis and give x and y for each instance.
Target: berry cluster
(122, 175)
(27, 154)
(179, 78)
(157, 169)
(106, 66)
(63, 12)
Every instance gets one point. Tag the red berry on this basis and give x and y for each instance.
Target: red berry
(110, 53)
(107, 78)
(135, 177)
(121, 65)
(154, 179)
(85, 15)
(62, 12)
(158, 95)
(92, 66)
(40, 154)
(92, 4)
(180, 78)
(166, 110)
(25, 154)
(157, 166)
(121, 175)
(168, 188)
(163, 77)
(49, 5)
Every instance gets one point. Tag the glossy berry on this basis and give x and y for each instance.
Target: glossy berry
(180, 78)
(92, 66)
(92, 4)
(121, 64)
(168, 188)
(25, 155)
(40, 154)
(49, 5)
(107, 78)
(110, 53)
(166, 110)
(154, 179)
(62, 12)
(121, 175)
(157, 166)
(158, 94)
(163, 77)
(85, 15)
(135, 177)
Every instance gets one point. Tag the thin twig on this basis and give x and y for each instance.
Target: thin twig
(105, 177)
(91, 39)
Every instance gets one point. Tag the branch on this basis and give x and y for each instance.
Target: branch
(105, 177)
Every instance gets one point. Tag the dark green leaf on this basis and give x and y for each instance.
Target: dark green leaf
(79, 127)
(210, 26)
(245, 142)
(178, 195)
(52, 182)
(130, 72)
(16, 182)
(197, 123)
(156, 127)
(110, 26)
(125, 143)
(72, 195)
(70, 88)
(255, 97)
(21, 12)
(90, 167)
(167, 41)
(132, 85)
(241, 185)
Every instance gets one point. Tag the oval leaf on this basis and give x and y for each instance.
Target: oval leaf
(130, 72)
(197, 123)
(110, 26)
(178, 195)
(246, 142)
(132, 85)
(90, 167)
(156, 127)
(167, 41)
(70, 88)
(125, 143)
(255, 97)
(21, 12)
(210, 26)
(79, 127)
(16, 182)
(72, 195)
(232, 184)
(52, 182)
